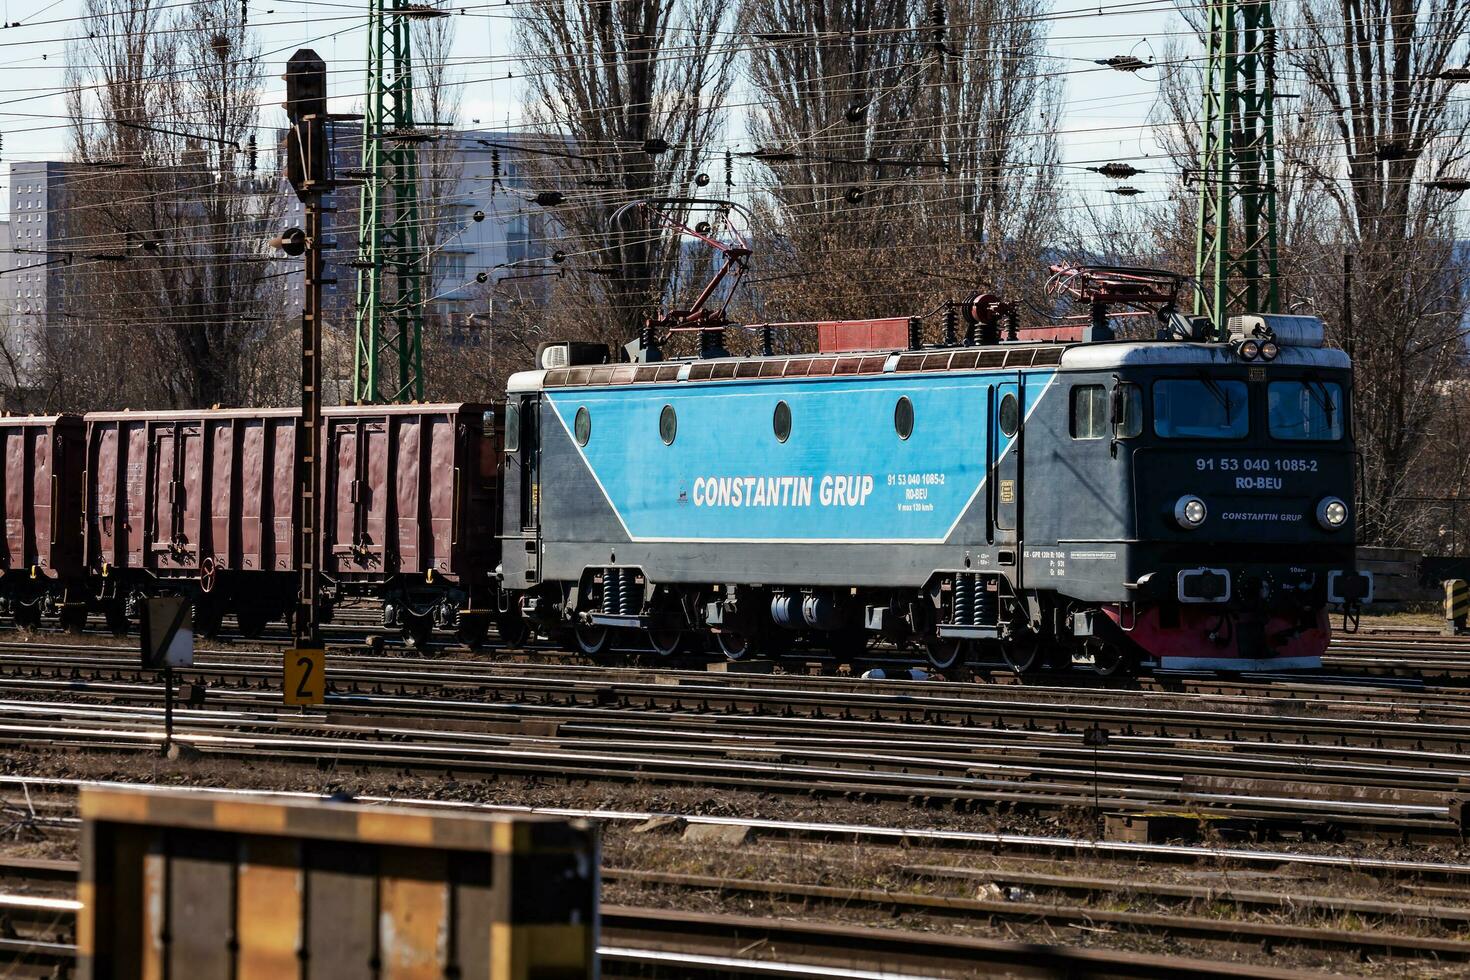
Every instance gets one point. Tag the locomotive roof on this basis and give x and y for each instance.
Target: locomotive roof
(998, 357)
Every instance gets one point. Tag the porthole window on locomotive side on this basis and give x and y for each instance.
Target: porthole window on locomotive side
(582, 426)
(781, 421)
(668, 425)
(1010, 414)
(903, 417)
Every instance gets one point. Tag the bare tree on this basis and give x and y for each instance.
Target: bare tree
(1392, 125)
(623, 101)
(166, 204)
(910, 150)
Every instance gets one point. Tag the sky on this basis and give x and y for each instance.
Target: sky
(1104, 118)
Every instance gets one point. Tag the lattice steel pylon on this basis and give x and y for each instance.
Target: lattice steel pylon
(390, 279)
(1238, 272)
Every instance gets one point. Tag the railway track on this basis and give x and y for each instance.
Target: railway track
(641, 942)
(1370, 655)
(684, 941)
(1237, 772)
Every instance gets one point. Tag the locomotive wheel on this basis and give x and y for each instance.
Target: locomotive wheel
(1022, 656)
(117, 619)
(1110, 660)
(666, 642)
(850, 644)
(252, 622)
(512, 628)
(944, 652)
(738, 646)
(592, 641)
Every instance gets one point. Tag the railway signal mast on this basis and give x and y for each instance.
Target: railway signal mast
(310, 172)
(388, 359)
(1237, 270)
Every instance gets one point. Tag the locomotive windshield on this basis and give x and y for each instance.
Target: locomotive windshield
(1305, 410)
(1203, 408)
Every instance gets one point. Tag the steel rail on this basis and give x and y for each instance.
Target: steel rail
(718, 941)
(679, 761)
(936, 838)
(1364, 942)
(933, 703)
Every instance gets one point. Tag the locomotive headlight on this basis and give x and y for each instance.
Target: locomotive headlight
(1190, 512)
(1332, 513)
(1250, 349)
(1269, 350)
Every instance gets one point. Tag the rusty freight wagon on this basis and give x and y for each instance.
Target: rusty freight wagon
(41, 566)
(200, 504)
(411, 510)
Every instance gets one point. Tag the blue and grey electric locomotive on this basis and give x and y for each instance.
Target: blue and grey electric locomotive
(1172, 503)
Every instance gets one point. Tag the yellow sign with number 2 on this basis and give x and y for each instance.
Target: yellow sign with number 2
(305, 676)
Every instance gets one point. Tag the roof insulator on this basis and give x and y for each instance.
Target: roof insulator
(1123, 62)
(1455, 185)
(419, 11)
(1118, 171)
(774, 156)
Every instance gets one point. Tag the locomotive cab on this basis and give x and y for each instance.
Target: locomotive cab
(1230, 478)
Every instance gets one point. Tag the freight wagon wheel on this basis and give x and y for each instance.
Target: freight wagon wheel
(417, 630)
(117, 619)
(27, 617)
(252, 622)
(208, 617)
(512, 629)
(472, 630)
(74, 618)
(944, 652)
(592, 641)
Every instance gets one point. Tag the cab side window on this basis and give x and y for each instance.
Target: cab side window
(1089, 412)
(1131, 398)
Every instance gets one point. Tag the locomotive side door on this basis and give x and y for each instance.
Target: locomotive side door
(521, 513)
(1005, 470)
(530, 463)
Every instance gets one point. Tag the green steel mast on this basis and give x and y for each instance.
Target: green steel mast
(390, 279)
(1237, 270)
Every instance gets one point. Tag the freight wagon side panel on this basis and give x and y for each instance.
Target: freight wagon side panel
(42, 494)
(409, 492)
(166, 491)
(117, 456)
(266, 476)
